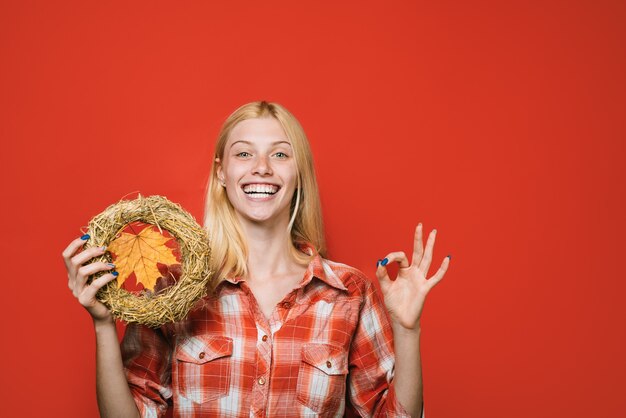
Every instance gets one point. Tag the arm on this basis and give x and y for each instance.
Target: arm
(114, 396)
(408, 376)
(404, 298)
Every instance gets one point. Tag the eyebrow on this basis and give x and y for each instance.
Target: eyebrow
(250, 143)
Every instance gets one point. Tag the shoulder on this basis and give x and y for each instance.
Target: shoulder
(353, 279)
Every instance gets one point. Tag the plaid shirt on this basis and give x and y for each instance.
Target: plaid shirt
(326, 350)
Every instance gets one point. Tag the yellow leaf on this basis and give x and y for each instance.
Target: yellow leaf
(139, 253)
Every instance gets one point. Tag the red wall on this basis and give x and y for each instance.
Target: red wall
(499, 123)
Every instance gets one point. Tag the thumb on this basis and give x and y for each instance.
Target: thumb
(383, 276)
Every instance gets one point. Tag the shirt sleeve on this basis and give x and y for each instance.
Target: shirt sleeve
(146, 354)
(371, 362)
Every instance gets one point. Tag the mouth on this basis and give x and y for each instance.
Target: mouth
(260, 189)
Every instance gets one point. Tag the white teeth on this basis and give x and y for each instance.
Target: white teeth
(266, 189)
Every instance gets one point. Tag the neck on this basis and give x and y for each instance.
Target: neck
(269, 252)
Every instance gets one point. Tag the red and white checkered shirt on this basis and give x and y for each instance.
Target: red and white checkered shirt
(326, 350)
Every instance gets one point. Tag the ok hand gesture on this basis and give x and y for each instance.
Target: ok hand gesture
(405, 296)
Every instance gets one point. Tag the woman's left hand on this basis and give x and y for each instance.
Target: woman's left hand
(405, 296)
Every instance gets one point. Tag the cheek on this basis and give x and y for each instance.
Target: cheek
(292, 174)
(231, 194)
(233, 172)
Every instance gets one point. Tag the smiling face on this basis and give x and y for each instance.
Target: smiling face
(259, 171)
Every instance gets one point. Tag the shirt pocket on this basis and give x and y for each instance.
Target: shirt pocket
(203, 367)
(322, 377)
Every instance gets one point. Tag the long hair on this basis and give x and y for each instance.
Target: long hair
(229, 251)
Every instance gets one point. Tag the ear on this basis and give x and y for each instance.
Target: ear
(219, 171)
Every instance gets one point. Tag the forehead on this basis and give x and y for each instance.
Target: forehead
(257, 131)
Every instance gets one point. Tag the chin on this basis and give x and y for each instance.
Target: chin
(265, 216)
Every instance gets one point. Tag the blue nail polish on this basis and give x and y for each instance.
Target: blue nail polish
(110, 264)
(115, 273)
(377, 263)
(384, 262)
(85, 237)
(449, 256)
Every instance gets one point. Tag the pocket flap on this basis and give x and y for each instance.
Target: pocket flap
(326, 357)
(201, 349)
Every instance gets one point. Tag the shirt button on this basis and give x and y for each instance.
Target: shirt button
(201, 355)
(261, 381)
(329, 364)
(264, 338)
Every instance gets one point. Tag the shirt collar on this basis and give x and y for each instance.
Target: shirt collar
(234, 280)
(319, 268)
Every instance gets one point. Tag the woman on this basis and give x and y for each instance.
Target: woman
(285, 332)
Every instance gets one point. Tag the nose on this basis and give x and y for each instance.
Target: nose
(262, 166)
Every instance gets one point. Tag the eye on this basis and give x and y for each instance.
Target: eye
(281, 155)
(243, 154)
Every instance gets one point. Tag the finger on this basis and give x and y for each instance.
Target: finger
(398, 256)
(79, 259)
(85, 271)
(440, 273)
(71, 249)
(382, 276)
(89, 294)
(70, 282)
(418, 246)
(428, 253)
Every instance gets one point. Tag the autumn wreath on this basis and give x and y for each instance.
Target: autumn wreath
(159, 244)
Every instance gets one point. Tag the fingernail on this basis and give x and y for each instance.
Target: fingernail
(384, 262)
(449, 256)
(378, 262)
(85, 237)
(110, 264)
(104, 247)
(115, 273)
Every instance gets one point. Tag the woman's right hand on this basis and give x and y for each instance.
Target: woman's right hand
(77, 275)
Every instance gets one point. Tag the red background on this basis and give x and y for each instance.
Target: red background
(501, 124)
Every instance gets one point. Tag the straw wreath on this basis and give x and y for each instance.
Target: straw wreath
(173, 303)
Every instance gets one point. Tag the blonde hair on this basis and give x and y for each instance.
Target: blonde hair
(229, 252)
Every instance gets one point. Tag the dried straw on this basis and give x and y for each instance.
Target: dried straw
(173, 303)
